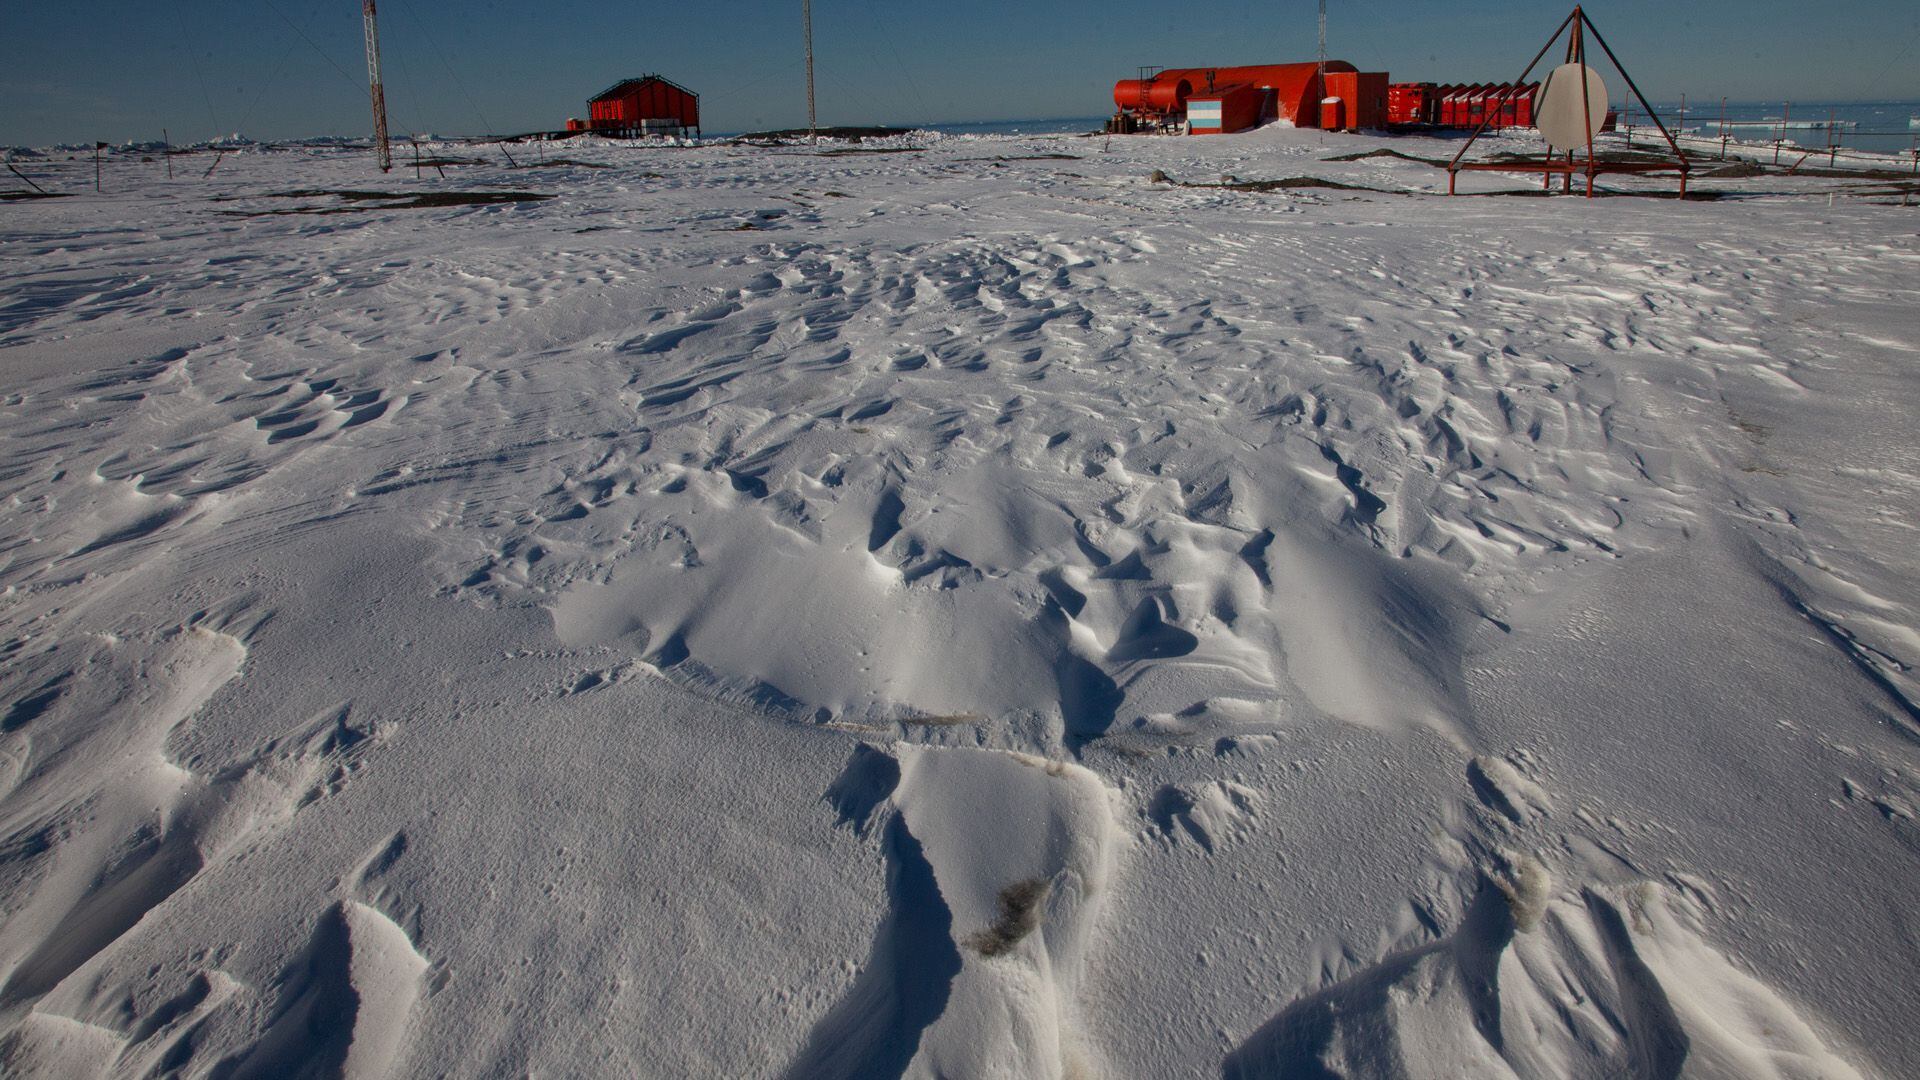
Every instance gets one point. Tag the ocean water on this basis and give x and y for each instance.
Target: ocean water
(1875, 126)
(1071, 125)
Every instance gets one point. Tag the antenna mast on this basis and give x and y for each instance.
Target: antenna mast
(1323, 51)
(806, 17)
(379, 92)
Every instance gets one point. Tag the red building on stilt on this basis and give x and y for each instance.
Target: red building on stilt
(648, 105)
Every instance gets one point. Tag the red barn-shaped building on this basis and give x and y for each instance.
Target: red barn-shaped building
(648, 105)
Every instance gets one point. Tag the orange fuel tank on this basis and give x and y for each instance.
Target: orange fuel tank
(1159, 94)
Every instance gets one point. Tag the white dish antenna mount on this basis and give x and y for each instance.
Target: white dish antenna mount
(1572, 106)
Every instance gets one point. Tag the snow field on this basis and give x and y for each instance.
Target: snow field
(956, 612)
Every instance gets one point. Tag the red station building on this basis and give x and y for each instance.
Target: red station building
(1449, 105)
(1212, 101)
(1226, 99)
(648, 105)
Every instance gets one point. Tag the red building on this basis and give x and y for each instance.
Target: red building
(1225, 99)
(1412, 103)
(1361, 97)
(1235, 108)
(1501, 105)
(648, 105)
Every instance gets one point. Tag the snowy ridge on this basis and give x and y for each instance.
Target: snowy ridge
(1308, 632)
(1601, 985)
(1517, 969)
(976, 968)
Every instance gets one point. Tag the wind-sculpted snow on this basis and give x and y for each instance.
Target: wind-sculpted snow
(969, 612)
(998, 867)
(1209, 523)
(1602, 986)
(1542, 976)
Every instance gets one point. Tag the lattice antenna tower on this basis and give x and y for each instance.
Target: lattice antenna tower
(378, 91)
(806, 20)
(1323, 51)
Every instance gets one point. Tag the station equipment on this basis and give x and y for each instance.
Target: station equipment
(1569, 110)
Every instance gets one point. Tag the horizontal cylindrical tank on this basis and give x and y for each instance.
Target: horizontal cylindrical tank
(1157, 95)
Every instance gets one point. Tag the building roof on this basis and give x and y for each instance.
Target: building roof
(621, 87)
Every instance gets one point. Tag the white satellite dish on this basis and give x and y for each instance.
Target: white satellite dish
(1559, 114)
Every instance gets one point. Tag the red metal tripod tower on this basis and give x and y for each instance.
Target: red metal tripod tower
(1551, 165)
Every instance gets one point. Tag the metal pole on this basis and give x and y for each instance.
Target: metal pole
(1586, 105)
(377, 91)
(1522, 81)
(1321, 94)
(1622, 69)
(25, 177)
(166, 150)
(96, 165)
(806, 17)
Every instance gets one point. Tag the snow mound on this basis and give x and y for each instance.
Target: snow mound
(998, 866)
(1602, 982)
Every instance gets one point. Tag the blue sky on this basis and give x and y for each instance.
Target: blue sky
(82, 70)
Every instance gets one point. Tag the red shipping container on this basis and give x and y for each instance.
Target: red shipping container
(1510, 106)
(1482, 103)
(1410, 103)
